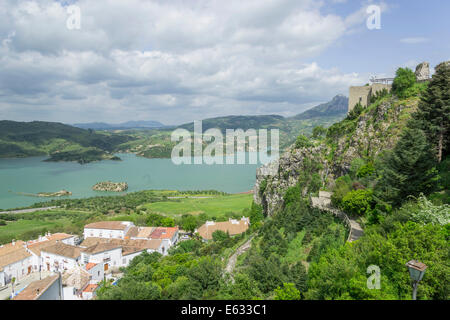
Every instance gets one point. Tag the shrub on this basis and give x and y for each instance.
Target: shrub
(2, 223)
(404, 79)
(357, 201)
(426, 212)
(355, 166)
(342, 187)
(220, 235)
(319, 131)
(288, 292)
(366, 170)
(302, 142)
(355, 112)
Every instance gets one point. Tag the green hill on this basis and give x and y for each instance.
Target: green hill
(290, 127)
(61, 142)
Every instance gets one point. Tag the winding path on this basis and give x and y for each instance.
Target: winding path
(233, 259)
(323, 202)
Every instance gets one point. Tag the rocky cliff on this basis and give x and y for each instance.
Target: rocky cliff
(317, 165)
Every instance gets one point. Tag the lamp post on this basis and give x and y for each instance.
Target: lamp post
(416, 272)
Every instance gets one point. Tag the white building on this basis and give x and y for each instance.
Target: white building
(107, 229)
(168, 235)
(60, 257)
(107, 254)
(15, 262)
(96, 270)
(34, 247)
(114, 253)
(74, 281)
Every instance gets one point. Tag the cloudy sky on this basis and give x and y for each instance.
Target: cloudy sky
(176, 61)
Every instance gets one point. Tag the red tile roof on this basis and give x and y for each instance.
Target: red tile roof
(90, 265)
(90, 288)
(164, 232)
(110, 225)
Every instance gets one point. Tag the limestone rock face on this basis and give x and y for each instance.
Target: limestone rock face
(423, 71)
(269, 189)
(374, 132)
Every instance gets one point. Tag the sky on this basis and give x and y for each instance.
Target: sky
(177, 61)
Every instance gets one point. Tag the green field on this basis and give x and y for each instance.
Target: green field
(29, 226)
(21, 228)
(212, 207)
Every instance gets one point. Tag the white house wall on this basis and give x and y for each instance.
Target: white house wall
(64, 263)
(17, 270)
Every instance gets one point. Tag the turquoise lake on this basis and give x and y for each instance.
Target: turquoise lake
(32, 175)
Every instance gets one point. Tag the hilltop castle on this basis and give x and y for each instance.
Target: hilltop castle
(363, 94)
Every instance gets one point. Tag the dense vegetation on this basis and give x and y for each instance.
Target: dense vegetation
(400, 197)
(73, 214)
(61, 142)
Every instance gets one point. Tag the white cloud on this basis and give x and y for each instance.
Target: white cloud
(170, 61)
(414, 40)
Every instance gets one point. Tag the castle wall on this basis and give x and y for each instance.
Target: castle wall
(362, 94)
(358, 94)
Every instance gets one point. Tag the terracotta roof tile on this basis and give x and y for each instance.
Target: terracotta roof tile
(63, 249)
(128, 245)
(91, 288)
(9, 247)
(111, 225)
(90, 265)
(13, 256)
(35, 289)
(233, 227)
(164, 232)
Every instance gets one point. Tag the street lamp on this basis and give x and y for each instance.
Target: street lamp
(416, 272)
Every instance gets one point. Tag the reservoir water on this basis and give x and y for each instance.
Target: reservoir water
(32, 175)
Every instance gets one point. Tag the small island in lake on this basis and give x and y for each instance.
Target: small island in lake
(61, 193)
(110, 186)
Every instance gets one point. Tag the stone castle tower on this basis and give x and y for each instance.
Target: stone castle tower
(363, 94)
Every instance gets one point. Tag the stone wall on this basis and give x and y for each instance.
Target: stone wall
(362, 94)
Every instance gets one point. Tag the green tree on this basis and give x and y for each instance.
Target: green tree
(404, 79)
(434, 111)
(302, 142)
(409, 169)
(220, 235)
(287, 292)
(256, 213)
(318, 131)
(189, 223)
(357, 201)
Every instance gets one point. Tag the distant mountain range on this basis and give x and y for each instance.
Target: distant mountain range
(120, 126)
(338, 106)
(290, 127)
(75, 143)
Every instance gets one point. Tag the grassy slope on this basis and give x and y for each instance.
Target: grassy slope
(22, 139)
(212, 207)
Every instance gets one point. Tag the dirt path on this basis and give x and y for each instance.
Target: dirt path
(323, 202)
(233, 259)
(29, 210)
